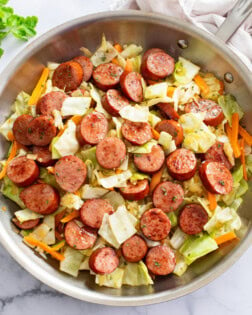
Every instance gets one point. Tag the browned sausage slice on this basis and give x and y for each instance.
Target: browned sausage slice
(27, 225)
(168, 110)
(87, 66)
(44, 156)
(107, 76)
(22, 171)
(173, 128)
(216, 153)
(93, 210)
(161, 260)
(131, 85)
(103, 260)
(192, 218)
(49, 102)
(182, 164)
(68, 76)
(216, 177)
(156, 64)
(150, 162)
(137, 132)
(41, 130)
(155, 225)
(79, 236)
(110, 152)
(93, 128)
(40, 198)
(168, 196)
(70, 173)
(20, 128)
(113, 101)
(134, 249)
(136, 192)
(213, 111)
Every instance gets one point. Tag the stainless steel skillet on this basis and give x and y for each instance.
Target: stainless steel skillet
(149, 30)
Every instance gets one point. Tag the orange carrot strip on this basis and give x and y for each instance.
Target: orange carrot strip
(225, 237)
(128, 66)
(156, 179)
(51, 170)
(201, 83)
(234, 135)
(71, 216)
(118, 47)
(115, 61)
(111, 189)
(77, 119)
(155, 134)
(77, 193)
(11, 156)
(39, 87)
(58, 246)
(243, 161)
(170, 91)
(32, 241)
(118, 171)
(247, 137)
(212, 201)
(10, 136)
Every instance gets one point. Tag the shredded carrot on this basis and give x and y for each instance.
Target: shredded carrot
(118, 171)
(234, 135)
(202, 84)
(111, 189)
(155, 134)
(58, 246)
(225, 237)
(118, 47)
(128, 66)
(76, 119)
(39, 87)
(212, 201)
(244, 134)
(71, 216)
(115, 61)
(156, 179)
(77, 193)
(243, 161)
(32, 241)
(10, 136)
(51, 170)
(11, 156)
(170, 91)
(221, 90)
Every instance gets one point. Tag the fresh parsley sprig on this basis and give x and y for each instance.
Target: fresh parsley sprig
(10, 23)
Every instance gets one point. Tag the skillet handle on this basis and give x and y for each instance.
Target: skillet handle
(238, 15)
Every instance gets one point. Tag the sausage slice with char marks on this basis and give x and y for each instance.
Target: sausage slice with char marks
(134, 249)
(113, 101)
(87, 66)
(168, 110)
(26, 225)
(44, 156)
(131, 85)
(137, 132)
(20, 129)
(49, 102)
(173, 128)
(160, 260)
(216, 153)
(150, 162)
(107, 76)
(103, 260)
(135, 192)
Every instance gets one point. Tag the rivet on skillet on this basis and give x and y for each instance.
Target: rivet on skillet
(228, 77)
(183, 43)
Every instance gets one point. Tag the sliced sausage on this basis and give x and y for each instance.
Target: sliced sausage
(173, 128)
(182, 164)
(216, 177)
(137, 132)
(156, 64)
(160, 260)
(79, 236)
(68, 76)
(20, 128)
(87, 66)
(136, 192)
(107, 76)
(168, 111)
(93, 210)
(40, 198)
(113, 101)
(44, 156)
(110, 152)
(192, 218)
(155, 224)
(22, 171)
(134, 248)
(168, 196)
(41, 130)
(93, 128)
(103, 260)
(49, 102)
(150, 162)
(216, 153)
(27, 225)
(213, 112)
(70, 173)
(131, 85)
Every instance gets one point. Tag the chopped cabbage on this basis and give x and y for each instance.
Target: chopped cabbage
(185, 93)
(142, 149)
(58, 123)
(75, 106)
(131, 50)
(249, 163)
(202, 201)
(52, 65)
(112, 280)
(230, 106)
(89, 154)
(193, 185)
(106, 232)
(85, 264)
(178, 238)
(118, 180)
(138, 176)
(40, 232)
(184, 71)
(242, 189)
(229, 152)
(153, 119)
(55, 153)
(168, 144)
(124, 165)
(49, 220)
(89, 192)
(11, 191)
(114, 198)
(215, 86)
(158, 90)
(136, 274)
(181, 265)
(21, 106)
(26, 215)
(155, 101)
(173, 218)
(71, 201)
(97, 98)
(118, 125)
(195, 247)
(236, 203)
(7, 126)
(67, 144)
(135, 113)
(48, 178)
(71, 263)
(135, 62)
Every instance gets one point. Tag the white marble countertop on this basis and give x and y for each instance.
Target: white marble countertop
(20, 293)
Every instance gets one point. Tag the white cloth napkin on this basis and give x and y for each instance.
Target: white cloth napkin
(206, 14)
